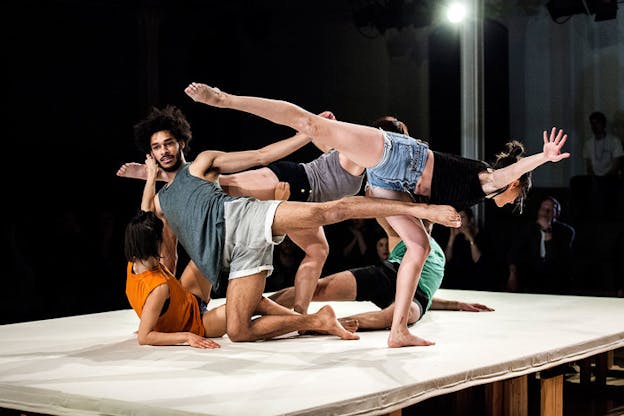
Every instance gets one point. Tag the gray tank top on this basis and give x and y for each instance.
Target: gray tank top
(194, 209)
(328, 180)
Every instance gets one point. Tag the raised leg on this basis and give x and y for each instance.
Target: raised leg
(362, 144)
(291, 216)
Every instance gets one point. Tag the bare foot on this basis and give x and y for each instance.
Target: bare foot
(445, 215)
(406, 339)
(132, 170)
(329, 323)
(349, 324)
(202, 93)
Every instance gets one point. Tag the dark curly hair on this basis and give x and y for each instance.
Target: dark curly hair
(514, 151)
(171, 119)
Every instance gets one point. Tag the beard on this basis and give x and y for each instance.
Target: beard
(175, 166)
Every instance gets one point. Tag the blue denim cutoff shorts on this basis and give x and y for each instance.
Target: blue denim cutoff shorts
(401, 165)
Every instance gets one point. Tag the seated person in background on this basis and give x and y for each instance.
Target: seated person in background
(602, 152)
(468, 252)
(377, 284)
(540, 256)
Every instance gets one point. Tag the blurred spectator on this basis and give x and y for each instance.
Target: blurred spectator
(602, 152)
(468, 251)
(541, 253)
(381, 246)
(353, 243)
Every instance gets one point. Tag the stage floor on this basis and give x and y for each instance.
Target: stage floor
(92, 364)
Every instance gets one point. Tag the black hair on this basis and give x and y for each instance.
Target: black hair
(169, 119)
(514, 151)
(598, 116)
(389, 123)
(143, 236)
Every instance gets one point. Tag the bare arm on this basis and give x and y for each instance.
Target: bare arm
(149, 316)
(149, 190)
(454, 305)
(168, 248)
(229, 162)
(551, 153)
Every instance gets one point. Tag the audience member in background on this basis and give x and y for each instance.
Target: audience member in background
(467, 251)
(540, 256)
(381, 246)
(602, 152)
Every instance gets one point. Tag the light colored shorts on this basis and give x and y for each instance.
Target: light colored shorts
(249, 241)
(401, 165)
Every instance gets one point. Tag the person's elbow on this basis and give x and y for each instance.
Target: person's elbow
(262, 158)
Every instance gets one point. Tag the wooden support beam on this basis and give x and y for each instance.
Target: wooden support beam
(551, 392)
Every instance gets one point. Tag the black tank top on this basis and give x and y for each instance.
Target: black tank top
(455, 181)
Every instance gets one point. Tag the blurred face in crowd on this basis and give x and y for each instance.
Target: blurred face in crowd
(546, 210)
(382, 248)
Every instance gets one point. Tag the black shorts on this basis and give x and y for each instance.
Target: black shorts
(377, 284)
(295, 174)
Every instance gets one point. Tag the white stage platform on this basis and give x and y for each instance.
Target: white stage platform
(92, 364)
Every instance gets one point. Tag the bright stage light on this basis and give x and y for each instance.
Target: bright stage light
(455, 12)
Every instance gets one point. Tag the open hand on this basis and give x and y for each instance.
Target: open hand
(553, 145)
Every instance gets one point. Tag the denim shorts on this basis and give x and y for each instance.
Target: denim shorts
(249, 241)
(203, 306)
(401, 165)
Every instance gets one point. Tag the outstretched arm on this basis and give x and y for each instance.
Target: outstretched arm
(455, 305)
(551, 153)
(149, 316)
(229, 162)
(232, 161)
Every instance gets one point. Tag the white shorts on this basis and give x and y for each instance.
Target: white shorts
(249, 240)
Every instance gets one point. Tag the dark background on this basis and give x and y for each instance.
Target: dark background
(79, 74)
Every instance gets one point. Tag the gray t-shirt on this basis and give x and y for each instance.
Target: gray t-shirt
(328, 180)
(194, 209)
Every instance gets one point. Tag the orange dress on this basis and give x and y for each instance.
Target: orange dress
(182, 315)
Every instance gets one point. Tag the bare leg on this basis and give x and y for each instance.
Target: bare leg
(259, 183)
(416, 240)
(382, 319)
(214, 322)
(195, 282)
(316, 249)
(336, 287)
(362, 144)
(242, 299)
(291, 216)
(339, 286)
